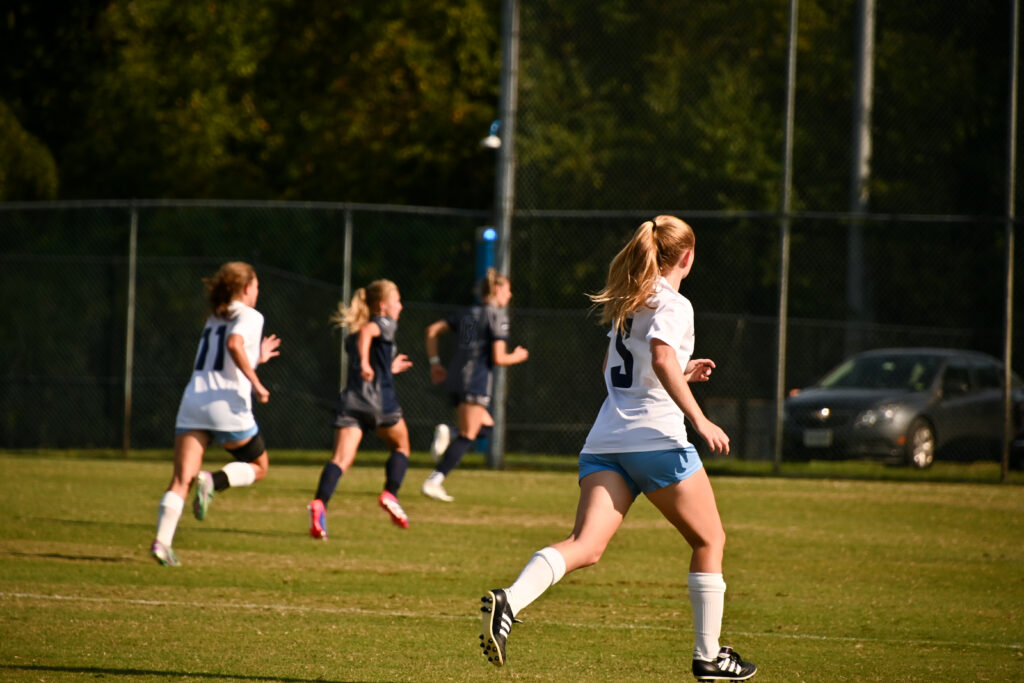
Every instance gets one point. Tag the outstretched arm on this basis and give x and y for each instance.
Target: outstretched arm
(236, 347)
(501, 356)
(670, 374)
(435, 330)
(366, 334)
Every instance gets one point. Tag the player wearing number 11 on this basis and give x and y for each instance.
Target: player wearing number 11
(638, 444)
(216, 406)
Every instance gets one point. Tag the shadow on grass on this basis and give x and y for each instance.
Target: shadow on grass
(135, 673)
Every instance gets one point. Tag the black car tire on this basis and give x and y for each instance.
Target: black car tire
(920, 444)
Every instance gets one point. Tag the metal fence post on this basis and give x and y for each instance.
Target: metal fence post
(1011, 182)
(346, 295)
(786, 199)
(129, 341)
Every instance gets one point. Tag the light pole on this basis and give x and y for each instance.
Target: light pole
(504, 195)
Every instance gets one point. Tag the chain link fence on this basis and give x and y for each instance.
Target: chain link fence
(65, 286)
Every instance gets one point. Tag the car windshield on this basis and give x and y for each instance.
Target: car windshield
(906, 372)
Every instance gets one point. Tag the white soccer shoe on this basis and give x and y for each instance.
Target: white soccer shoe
(434, 489)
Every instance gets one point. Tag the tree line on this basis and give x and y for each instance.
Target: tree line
(622, 105)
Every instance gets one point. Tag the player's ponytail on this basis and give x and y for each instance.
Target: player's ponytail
(634, 272)
(226, 285)
(365, 303)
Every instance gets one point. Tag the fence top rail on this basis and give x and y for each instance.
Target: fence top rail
(716, 214)
(729, 214)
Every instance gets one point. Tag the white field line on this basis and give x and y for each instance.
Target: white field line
(452, 617)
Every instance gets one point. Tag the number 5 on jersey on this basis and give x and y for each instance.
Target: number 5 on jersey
(622, 375)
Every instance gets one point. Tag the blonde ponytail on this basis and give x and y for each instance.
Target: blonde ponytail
(365, 303)
(634, 272)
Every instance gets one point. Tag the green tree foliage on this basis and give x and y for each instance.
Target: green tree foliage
(27, 169)
(362, 101)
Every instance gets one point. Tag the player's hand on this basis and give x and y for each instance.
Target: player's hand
(520, 354)
(262, 395)
(269, 348)
(366, 372)
(400, 363)
(437, 373)
(699, 370)
(715, 436)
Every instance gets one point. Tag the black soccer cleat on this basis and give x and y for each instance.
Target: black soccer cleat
(497, 622)
(729, 666)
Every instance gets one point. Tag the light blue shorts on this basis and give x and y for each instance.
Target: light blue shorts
(645, 471)
(224, 437)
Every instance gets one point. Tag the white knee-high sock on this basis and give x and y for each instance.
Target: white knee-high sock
(167, 517)
(545, 568)
(239, 474)
(707, 596)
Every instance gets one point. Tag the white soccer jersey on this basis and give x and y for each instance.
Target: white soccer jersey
(218, 396)
(639, 415)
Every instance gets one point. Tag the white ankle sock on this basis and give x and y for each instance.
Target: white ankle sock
(707, 596)
(167, 517)
(239, 474)
(545, 568)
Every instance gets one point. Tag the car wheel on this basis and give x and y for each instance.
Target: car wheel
(920, 444)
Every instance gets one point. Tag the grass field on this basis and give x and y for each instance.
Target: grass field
(829, 580)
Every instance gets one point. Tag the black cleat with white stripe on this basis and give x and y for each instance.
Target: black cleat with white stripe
(497, 622)
(727, 667)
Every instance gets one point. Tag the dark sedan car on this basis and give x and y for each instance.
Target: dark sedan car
(904, 405)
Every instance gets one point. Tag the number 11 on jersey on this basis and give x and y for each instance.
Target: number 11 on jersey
(204, 347)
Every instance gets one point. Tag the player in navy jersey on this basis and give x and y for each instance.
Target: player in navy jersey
(216, 406)
(369, 401)
(481, 343)
(638, 444)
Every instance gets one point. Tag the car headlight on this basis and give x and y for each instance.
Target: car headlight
(877, 415)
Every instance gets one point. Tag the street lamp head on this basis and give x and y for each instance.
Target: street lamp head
(492, 141)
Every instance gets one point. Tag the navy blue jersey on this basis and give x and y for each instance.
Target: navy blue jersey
(378, 396)
(476, 328)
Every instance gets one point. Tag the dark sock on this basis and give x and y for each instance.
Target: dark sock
(453, 456)
(394, 471)
(328, 482)
(220, 481)
(484, 433)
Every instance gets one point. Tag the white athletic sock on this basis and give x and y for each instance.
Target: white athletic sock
(167, 517)
(545, 568)
(707, 596)
(436, 477)
(239, 474)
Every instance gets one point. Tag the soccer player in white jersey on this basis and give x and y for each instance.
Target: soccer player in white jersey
(638, 444)
(216, 406)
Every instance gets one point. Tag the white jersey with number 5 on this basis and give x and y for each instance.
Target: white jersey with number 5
(218, 396)
(638, 415)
